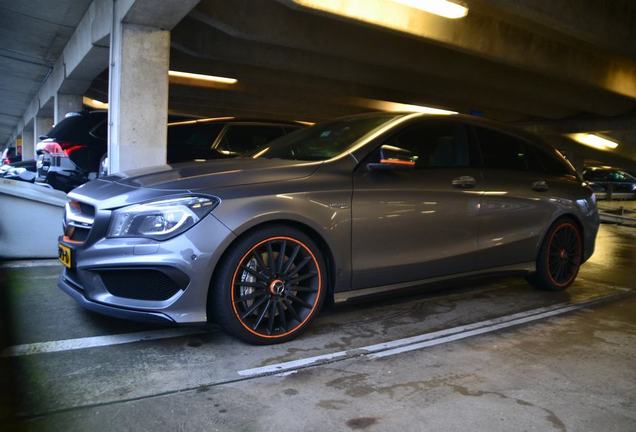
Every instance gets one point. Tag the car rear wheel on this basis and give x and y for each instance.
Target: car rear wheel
(559, 257)
(269, 286)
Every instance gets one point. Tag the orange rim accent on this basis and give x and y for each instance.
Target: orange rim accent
(547, 259)
(311, 312)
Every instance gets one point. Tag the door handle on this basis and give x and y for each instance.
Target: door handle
(464, 182)
(540, 186)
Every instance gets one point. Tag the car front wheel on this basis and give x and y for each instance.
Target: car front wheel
(269, 286)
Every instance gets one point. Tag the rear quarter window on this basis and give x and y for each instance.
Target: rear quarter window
(77, 128)
(549, 161)
(500, 150)
(193, 141)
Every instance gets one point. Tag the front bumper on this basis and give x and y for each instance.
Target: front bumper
(117, 312)
(188, 260)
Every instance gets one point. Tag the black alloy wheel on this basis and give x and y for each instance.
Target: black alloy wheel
(275, 286)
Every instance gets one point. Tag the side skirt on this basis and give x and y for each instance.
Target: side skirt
(344, 296)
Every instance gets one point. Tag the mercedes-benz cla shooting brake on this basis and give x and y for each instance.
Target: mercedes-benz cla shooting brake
(344, 208)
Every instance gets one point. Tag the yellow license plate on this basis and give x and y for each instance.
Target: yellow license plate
(64, 254)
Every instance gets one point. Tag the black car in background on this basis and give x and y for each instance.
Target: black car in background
(608, 182)
(69, 154)
(82, 137)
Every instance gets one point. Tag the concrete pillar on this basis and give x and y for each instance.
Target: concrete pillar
(66, 103)
(28, 142)
(138, 97)
(41, 125)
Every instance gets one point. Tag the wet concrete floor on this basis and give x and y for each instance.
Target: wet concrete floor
(575, 371)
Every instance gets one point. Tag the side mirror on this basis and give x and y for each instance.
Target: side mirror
(393, 158)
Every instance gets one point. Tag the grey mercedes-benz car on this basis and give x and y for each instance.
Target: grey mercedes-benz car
(345, 208)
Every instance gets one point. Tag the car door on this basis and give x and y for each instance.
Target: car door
(413, 224)
(517, 203)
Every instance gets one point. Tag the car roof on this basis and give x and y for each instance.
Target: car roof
(182, 120)
(235, 120)
(470, 119)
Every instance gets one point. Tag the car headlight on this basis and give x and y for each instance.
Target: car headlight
(160, 220)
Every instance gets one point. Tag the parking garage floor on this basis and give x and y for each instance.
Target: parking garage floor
(487, 354)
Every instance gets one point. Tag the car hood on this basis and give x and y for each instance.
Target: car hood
(193, 177)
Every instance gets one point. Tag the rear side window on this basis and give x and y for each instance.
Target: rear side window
(191, 141)
(501, 151)
(547, 161)
(241, 139)
(77, 128)
(100, 131)
(435, 145)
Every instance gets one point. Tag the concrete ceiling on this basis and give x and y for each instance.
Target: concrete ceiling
(32, 36)
(528, 62)
(550, 65)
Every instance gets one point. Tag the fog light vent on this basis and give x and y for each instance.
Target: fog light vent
(143, 284)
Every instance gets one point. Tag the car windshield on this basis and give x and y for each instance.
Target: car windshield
(325, 140)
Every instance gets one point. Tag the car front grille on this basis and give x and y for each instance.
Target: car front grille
(78, 221)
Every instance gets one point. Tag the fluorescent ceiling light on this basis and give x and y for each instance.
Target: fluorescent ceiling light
(443, 8)
(201, 77)
(383, 105)
(94, 103)
(594, 140)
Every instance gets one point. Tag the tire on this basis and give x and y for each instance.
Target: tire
(560, 256)
(263, 301)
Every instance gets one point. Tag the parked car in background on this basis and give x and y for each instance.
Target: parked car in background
(69, 154)
(346, 208)
(608, 182)
(10, 155)
(82, 141)
(23, 170)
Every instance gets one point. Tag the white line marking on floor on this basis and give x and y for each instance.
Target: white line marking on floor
(97, 341)
(398, 346)
(31, 263)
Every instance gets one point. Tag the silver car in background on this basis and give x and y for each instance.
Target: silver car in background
(345, 208)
